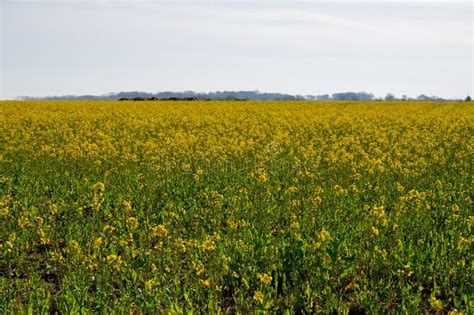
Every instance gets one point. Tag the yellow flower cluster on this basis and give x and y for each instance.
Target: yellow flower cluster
(236, 206)
(323, 235)
(265, 278)
(76, 131)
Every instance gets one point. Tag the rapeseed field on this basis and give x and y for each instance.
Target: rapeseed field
(241, 207)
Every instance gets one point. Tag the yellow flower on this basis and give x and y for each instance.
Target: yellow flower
(262, 175)
(378, 211)
(339, 190)
(400, 188)
(208, 245)
(455, 209)
(98, 242)
(316, 245)
(108, 229)
(4, 211)
(408, 270)
(323, 235)
(74, 246)
(23, 222)
(436, 304)
(181, 244)
(192, 243)
(99, 187)
(132, 222)
(149, 284)
(53, 208)
(233, 224)
(44, 239)
(159, 231)
(264, 278)
(258, 297)
(11, 241)
(374, 231)
(317, 200)
(463, 241)
(90, 263)
(115, 261)
(206, 282)
(57, 257)
(127, 205)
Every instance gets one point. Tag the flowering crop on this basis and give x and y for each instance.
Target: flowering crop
(164, 207)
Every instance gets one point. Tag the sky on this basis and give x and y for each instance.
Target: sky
(74, 47)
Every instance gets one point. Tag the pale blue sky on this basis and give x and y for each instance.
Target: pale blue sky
(313, 47)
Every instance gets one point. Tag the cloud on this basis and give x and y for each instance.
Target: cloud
(380, 22)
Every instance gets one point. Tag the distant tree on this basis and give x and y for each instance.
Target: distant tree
(346, 96)
(390, 97)
(324, 97)
(364, 96)
(423, 97)
(404, 97)
(468, 99)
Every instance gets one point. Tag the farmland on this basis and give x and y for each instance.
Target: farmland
(165, 207)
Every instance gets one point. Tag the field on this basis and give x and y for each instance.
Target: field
(172, 207)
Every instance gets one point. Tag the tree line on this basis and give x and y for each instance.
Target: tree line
(241, 95)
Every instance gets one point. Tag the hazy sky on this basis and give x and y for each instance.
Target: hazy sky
(312, 47)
